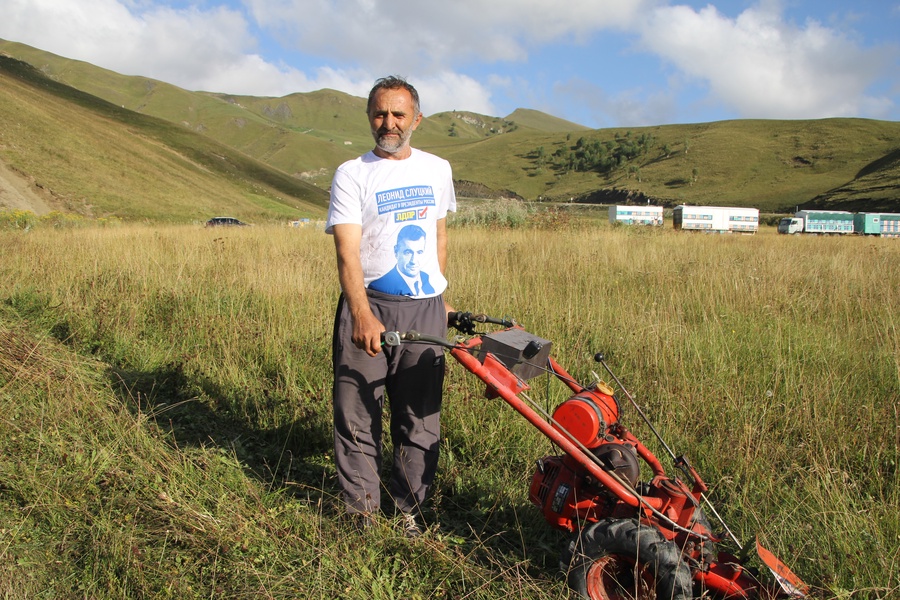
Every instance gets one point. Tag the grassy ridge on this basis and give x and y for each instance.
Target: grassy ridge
(165, 423)
(92, 157)
(772, 165)
(544, 122)
(873, 189)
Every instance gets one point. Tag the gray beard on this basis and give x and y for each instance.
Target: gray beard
(390, 146)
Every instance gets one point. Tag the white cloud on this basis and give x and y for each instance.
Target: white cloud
(452, 91)
(757, 64)
(414, 35)
(213, 49)
(178, 46)
(195, 49)
(763, 67)
(76, 30)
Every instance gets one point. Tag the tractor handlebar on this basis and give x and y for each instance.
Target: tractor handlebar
(464, 322)
(395, 338)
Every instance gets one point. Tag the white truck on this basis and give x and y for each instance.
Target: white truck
(636, 215)
(716, 219)
(817, 221)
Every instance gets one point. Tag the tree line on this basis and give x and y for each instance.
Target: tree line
(598, 155)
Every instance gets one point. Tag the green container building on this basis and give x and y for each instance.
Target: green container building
(883, 224)
(826, 221)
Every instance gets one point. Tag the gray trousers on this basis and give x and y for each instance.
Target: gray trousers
(412, 375)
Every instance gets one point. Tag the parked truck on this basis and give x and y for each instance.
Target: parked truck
(881, 224)
(817, 221)
(636, 215)
(716, 219)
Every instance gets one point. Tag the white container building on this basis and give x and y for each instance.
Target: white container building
(716, 219)
(636, 215)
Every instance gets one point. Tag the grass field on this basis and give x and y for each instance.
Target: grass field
(165, 415)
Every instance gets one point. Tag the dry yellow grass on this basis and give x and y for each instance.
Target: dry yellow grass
(772, 361)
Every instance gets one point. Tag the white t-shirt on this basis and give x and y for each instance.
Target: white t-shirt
(398, 204)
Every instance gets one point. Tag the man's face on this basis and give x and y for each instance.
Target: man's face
(393, 118)
(409, 254)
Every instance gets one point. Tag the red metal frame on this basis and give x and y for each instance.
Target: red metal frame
(574, 490)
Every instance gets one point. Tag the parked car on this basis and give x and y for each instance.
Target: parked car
(226, 221)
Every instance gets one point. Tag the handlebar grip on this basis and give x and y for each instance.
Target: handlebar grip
(465, 321)
(495, 321)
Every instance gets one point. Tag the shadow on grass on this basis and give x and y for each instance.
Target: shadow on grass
(502, 533)
(296, 459)
(195, 413)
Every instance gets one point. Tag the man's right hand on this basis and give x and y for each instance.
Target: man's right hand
(367, 330)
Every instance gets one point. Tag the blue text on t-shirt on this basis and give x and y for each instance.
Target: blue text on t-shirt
(404, 198)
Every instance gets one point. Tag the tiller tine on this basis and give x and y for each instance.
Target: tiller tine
(792, 585)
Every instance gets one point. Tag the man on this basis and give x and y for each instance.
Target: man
(407, 278)
(372, 199)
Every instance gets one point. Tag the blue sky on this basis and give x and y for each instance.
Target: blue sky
(600, 63)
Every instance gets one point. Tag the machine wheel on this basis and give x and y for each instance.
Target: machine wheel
(619, 559)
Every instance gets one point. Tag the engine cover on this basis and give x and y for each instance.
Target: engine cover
(558, 490)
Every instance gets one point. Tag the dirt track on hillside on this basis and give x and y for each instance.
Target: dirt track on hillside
(18, 193)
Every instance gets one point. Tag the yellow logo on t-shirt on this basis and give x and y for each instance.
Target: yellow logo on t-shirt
(406, 215)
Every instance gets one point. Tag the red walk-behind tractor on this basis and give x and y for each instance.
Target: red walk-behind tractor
(632, 536)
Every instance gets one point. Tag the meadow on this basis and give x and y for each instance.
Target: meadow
(165, 406)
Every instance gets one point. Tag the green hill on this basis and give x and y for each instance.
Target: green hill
(89, 156)
(263, 128)
(543, 122)
(873, 189)
(775, 166)
(772, 165)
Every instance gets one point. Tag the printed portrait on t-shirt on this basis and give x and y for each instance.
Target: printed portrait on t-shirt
(407, 277)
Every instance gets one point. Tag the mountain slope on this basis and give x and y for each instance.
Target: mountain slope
(231, 120)
(306, 135)
(543, 122)
(91, 157)
(874, 189)
(772, 165)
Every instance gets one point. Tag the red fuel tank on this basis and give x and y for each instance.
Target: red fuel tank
(587, 416)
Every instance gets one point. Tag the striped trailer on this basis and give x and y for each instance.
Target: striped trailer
(636, 215)
(881, 224)
(826, 221)
(716, 219)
